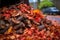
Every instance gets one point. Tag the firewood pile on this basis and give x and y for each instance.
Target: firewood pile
(22, 22)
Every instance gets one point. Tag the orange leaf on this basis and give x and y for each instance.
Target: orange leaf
(9, 30)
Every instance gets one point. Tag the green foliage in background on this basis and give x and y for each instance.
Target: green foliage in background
(45, 3)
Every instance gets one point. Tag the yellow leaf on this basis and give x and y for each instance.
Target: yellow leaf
(9, 30)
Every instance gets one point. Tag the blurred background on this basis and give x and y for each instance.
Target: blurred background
(50, 8)
(47, 6)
